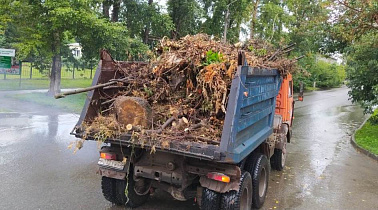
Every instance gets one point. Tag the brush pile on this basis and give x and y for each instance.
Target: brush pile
(182, 94)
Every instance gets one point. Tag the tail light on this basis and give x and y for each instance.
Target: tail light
(108, 156)
(218, 177)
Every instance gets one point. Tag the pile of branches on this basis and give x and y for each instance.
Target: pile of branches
(187, 86)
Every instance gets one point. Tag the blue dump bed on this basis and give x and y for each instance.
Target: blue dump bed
(250, 112)
(248, 121)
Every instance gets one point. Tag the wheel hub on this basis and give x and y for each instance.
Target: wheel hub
(244, 199)
(262, 182)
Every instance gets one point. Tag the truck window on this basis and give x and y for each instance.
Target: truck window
(290, 88)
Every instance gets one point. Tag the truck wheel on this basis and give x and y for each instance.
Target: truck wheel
(210, 200)
(108, 188)
(239, 200)
(278, 159)
(260, 177)
(133, 199)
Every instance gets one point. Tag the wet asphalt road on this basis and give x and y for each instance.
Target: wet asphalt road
(323, 170)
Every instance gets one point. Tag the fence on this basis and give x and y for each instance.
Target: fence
(29, 72)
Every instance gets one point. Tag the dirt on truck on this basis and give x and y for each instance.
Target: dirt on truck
(204, 120)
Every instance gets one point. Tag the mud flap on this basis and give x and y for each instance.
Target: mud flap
(115, 174)
(281, 139)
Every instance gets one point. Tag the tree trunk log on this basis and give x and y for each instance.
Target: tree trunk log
(134, 111)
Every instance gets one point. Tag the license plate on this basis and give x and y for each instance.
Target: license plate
(111, 163)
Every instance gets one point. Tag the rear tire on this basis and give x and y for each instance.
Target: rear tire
(260, 176)
(210, 200)
(239, 200)
(114, 191)
(133, 199)
(108, 188)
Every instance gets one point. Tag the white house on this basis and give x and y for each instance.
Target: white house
(76, 49)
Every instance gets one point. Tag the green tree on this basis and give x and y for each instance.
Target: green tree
(222, 16)
(354, 18)
(145, 21)
(362, 71)
(272, 20)
(308, 27)
(45, 25)
(355, 24)
(185, 15)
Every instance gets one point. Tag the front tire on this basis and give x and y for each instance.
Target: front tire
(278, 160)
(239, 200)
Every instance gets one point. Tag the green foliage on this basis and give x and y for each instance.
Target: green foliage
(353, 19)
(2, 41)
(148, 91)
(33, 84)
(213, 57)
(214, 17)
(308, 25)
(44, 29)
(367, 136)
(271, 21)
(373, 120)
(362, 71)
(138, 14)
(260, 52)
(185, 15)
(324, 72)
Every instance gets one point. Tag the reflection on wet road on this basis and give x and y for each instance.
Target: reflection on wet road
(323, 170)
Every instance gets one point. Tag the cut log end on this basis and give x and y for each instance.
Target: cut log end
(129, 127)
(133, 111)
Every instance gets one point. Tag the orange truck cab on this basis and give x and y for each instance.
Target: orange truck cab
(283, 119)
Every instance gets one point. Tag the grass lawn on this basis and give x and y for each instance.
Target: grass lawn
(72, 103)
(27, 84)
(367, 136)
(66, 73)
(4, 110)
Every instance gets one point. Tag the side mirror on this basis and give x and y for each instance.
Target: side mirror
(300, 95)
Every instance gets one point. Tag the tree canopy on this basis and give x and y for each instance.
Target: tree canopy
(40, 30)
(355, 24)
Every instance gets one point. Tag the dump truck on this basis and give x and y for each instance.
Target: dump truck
(231, 175)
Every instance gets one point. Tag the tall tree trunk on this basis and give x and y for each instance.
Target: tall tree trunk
(116, 8)
(148, 25)
(56, 67)
(55, 75)
(226, 21)
(105, 8)
(253, 21)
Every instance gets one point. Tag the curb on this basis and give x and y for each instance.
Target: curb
(358, 147)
